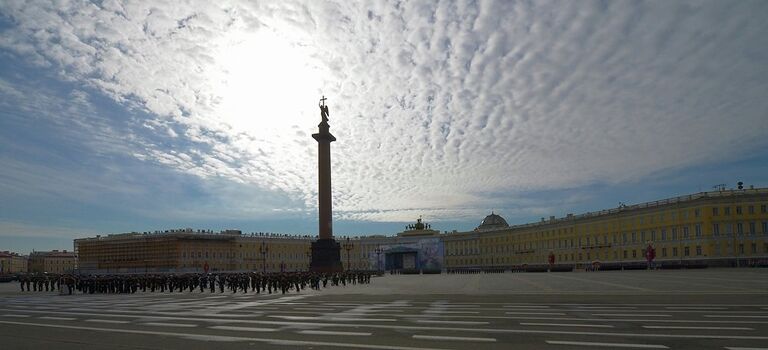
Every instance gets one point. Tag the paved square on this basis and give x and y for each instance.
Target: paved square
(696, 309)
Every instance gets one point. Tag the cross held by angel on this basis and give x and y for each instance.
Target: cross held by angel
(323, 109)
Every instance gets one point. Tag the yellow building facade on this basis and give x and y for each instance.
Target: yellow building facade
(187, 250)
(54, 261)
(719, 228)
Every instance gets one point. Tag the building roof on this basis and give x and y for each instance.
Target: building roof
(53, 254)
(492, 222)
(7, 254)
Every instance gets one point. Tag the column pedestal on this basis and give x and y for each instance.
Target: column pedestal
(326, 256)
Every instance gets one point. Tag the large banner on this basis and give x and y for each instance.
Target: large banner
(429, 254)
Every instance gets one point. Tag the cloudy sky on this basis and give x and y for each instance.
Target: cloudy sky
(134, 116)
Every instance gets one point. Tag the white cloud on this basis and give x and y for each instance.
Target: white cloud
(435, 104)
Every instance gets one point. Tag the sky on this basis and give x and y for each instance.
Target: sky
(120, 116)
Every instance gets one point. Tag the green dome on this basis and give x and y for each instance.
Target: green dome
(493, 221)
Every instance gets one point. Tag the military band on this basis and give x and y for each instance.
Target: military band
(243, 282)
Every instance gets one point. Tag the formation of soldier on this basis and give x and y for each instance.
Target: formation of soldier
(274, 282)
(39, 282)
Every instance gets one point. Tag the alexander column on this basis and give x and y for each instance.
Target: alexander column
(326, 252)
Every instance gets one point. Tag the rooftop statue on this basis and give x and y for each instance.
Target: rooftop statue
(323, 110)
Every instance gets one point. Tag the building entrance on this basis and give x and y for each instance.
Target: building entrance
(401, 261)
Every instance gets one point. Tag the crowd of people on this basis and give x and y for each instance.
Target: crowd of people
(256, 282)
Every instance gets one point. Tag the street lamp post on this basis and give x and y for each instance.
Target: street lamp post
(264, 249)
(309, 257)
(378, 252)
(680, 248)
(348, 246)
(621, 255)
(733, 247)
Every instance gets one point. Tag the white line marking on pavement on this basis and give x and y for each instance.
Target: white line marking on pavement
(536, 313)
(695, 308)
(243, 329)
(612, 345)
(117, 313)
(642, 305)
(314, 309)
(352, 319)
(631, 315)
(57, 318)
(718, 312)
(582, 280)
(386, 310)
(522, 309)
(296, 318)
(450, 312)
(740, 316)
(439, 337)
(222, 338)
(528, 306)
(309, 331)
(563, 309)
(15, 315)
(451, 322)
(158, 324)
(105, 321)
(566, 325)
(461, 305)
(429, 328)
(660, 320)
(691, 327)
(606, 307)
(242, 305)
(205, 314)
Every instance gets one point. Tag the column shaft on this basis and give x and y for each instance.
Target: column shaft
(324, 190)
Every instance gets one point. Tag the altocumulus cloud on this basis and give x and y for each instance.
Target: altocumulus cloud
(443, 108)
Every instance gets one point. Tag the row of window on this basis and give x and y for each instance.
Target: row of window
(673, 234)
(268, 267)
(61, 262)
(232, 255)
(665, 252)
(739, 210)
(674, 251)
(641, 220)
(729, 228)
